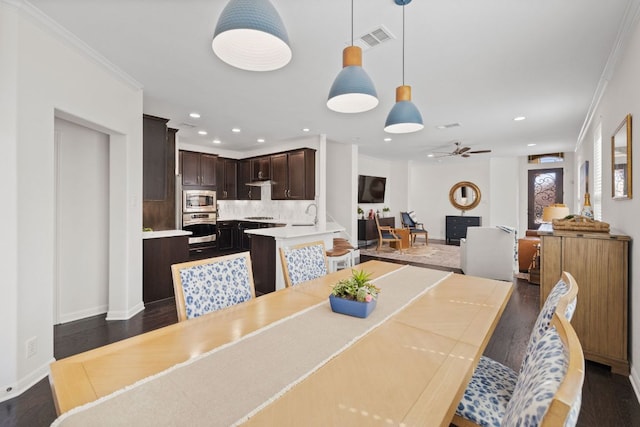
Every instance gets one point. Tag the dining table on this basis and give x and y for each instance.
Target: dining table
(285, 358)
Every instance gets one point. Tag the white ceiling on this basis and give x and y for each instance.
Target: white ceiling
(479, 63)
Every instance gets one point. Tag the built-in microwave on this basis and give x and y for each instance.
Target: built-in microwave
(198, 201)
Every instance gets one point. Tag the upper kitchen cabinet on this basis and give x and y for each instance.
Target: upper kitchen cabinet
(293, 175)
(261, 168)
(198, 169)
(155, 151)
(226, 178)
(245, 172)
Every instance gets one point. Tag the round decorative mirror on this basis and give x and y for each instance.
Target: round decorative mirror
(464, 195)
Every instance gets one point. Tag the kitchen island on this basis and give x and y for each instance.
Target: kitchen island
(161, 249)
(266, 244)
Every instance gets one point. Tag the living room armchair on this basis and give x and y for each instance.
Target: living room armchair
(489, 252)
(415, 228)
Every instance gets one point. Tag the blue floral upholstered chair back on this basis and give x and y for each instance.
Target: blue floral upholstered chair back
(549, 387)
(303, 262)
(212, 284)
(492, 385)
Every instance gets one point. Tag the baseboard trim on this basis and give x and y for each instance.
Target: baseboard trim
(634, 378)
(24, 384)
(125, 315)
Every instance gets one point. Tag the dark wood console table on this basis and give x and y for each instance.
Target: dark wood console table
(367, 230)
(456, 227)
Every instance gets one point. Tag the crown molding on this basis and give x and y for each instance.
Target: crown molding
(627, 26)
(57, 30)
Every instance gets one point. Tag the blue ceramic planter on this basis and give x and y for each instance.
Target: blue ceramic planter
(350, 307)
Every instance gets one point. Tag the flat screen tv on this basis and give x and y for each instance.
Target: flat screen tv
(371, 189)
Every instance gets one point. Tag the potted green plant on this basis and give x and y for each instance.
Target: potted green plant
(360, 212)
(355, 296)
(386, 211)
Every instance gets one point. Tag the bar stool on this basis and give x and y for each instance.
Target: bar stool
(341, 255)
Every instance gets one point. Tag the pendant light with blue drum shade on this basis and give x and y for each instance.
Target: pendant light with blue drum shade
(352, 91)
(250, 35)
(404, 117)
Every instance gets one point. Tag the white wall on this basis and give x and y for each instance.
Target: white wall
(342, 187)
(46, 74)
(622, 96)
(82, 217)
(429, 185)
(503, 192)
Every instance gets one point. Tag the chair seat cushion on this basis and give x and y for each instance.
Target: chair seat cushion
(487, 395)
(388, 236)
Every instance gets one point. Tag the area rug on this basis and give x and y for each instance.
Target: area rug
(434, 254)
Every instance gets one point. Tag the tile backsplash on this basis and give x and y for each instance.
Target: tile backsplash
(285, 210)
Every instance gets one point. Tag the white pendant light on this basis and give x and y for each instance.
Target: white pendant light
(250, 35)
(404, 117)
(352, 91)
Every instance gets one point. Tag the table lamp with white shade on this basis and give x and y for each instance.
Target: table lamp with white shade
(554, 211)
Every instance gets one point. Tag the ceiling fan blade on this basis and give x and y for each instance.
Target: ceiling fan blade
(463, 150)
(466, 155)
(479, 151)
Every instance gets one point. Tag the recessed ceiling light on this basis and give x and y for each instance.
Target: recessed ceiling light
(235, 130)
(202, 132)
(260, 140)
(519, 118)
(430, 155)
(305, 130)
(216, 141)
(194, 115)
(387, 140)
(531, 145)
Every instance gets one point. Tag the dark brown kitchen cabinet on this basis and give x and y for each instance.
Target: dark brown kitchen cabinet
(261, 168)
(155, 152)
(198, 168)
(157, 257)
(226, 179)
(226, 235)
(293, 175)
(247, 192)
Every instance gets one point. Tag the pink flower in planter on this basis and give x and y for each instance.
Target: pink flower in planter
(368, 298)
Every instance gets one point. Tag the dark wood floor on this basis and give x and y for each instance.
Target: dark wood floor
(608, 399)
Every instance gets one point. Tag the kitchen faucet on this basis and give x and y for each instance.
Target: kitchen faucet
(315, 219)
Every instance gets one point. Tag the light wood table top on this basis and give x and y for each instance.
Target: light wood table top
(420, 359)
(87, 376)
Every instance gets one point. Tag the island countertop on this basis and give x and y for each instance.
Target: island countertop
(164, 233)
(292, 231)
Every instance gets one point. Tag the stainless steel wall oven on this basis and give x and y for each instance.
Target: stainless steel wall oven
(199, 215)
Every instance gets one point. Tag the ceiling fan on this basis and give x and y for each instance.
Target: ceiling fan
(459, 151)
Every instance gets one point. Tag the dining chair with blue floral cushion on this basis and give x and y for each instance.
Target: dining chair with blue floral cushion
(212, 284)
(306, 261)
(491, 387)
(549, 388)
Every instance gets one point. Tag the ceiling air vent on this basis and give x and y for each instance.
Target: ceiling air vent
(186, 125)
(373, 38)
(449, 126)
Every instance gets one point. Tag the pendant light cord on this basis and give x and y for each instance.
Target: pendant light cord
(351, 22)
(403, 44)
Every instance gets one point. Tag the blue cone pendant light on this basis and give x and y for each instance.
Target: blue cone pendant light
(250, 35)
(404, 117)
(353, 90)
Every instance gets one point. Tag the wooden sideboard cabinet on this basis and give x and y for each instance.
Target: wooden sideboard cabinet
(456, 227)
(599, 263)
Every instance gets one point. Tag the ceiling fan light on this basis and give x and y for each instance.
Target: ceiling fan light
(352, 91)
(250, 35)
